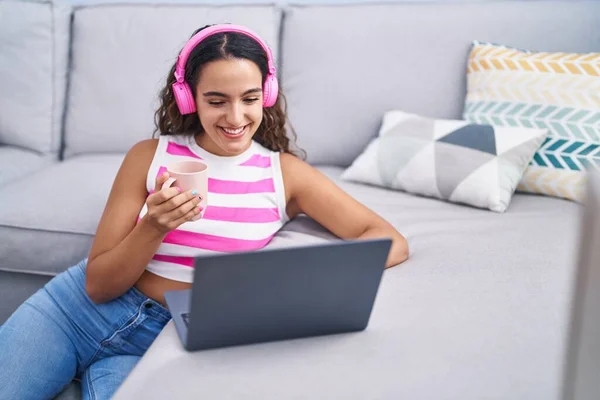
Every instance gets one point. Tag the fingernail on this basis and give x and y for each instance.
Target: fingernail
(179, 189)
(194, 192)
(200, 208)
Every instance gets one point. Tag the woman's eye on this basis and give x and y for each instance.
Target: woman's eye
(220, 103)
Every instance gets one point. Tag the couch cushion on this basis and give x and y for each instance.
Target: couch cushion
(344, 66)
(51, 216)
(16, 163)
(33, 72)
(121, 57)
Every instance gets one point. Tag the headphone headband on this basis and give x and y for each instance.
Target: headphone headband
(214, 29)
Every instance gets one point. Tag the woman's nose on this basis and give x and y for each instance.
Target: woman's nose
(235, 116)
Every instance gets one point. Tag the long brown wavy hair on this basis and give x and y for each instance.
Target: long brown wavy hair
(222, 46)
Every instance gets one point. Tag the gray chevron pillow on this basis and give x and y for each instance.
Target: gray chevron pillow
(453, 160)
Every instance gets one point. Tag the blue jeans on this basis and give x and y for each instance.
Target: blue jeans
(59, 334)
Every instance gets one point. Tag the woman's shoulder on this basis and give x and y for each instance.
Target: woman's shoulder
(295, 171)
(143, 149)
(293, 163)
(139, 157)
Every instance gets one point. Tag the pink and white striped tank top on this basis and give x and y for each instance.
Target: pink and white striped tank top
(246, 205)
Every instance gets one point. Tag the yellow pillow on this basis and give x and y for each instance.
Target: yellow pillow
(556, 91)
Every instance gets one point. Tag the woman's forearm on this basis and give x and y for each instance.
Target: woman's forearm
(113, 272)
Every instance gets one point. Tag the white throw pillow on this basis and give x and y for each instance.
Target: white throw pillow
(453, 160)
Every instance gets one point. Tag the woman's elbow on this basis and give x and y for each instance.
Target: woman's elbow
(92, 293)
(399, 251)
(91, 287)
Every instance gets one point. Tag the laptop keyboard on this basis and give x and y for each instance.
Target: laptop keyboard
(186, 318)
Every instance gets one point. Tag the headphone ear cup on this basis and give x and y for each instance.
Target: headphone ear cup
(184, 98)
(270, 91)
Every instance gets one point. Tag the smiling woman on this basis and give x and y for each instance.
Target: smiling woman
(221, 104)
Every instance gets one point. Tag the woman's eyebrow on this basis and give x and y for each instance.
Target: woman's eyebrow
(219, 94)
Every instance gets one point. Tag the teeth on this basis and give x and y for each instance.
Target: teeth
(233, 131)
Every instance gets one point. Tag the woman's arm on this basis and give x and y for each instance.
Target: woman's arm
(122, 249)
(309, 191)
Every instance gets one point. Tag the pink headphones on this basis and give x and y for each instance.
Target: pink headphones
(181, 89)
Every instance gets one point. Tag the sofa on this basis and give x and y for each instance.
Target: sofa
(480, 309)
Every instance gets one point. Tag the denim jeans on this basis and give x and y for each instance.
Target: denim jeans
(59, 334)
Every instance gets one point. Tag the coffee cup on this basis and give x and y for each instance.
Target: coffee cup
(190, 175)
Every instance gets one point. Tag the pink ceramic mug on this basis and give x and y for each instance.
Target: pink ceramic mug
(190, 175)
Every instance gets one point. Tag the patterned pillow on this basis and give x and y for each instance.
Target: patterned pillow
(457, 161)
(556, 91)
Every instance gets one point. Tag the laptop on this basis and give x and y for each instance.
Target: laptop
(278, 294)
(581, 378)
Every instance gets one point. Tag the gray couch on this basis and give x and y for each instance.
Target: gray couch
(480, 309)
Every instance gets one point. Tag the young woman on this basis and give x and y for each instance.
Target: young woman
(221, 104)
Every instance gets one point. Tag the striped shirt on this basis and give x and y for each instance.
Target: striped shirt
(246, 205)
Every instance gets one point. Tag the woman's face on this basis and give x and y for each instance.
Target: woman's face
(229, 105)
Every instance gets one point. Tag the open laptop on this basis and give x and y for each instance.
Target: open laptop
(277, 294)
(582, 370)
